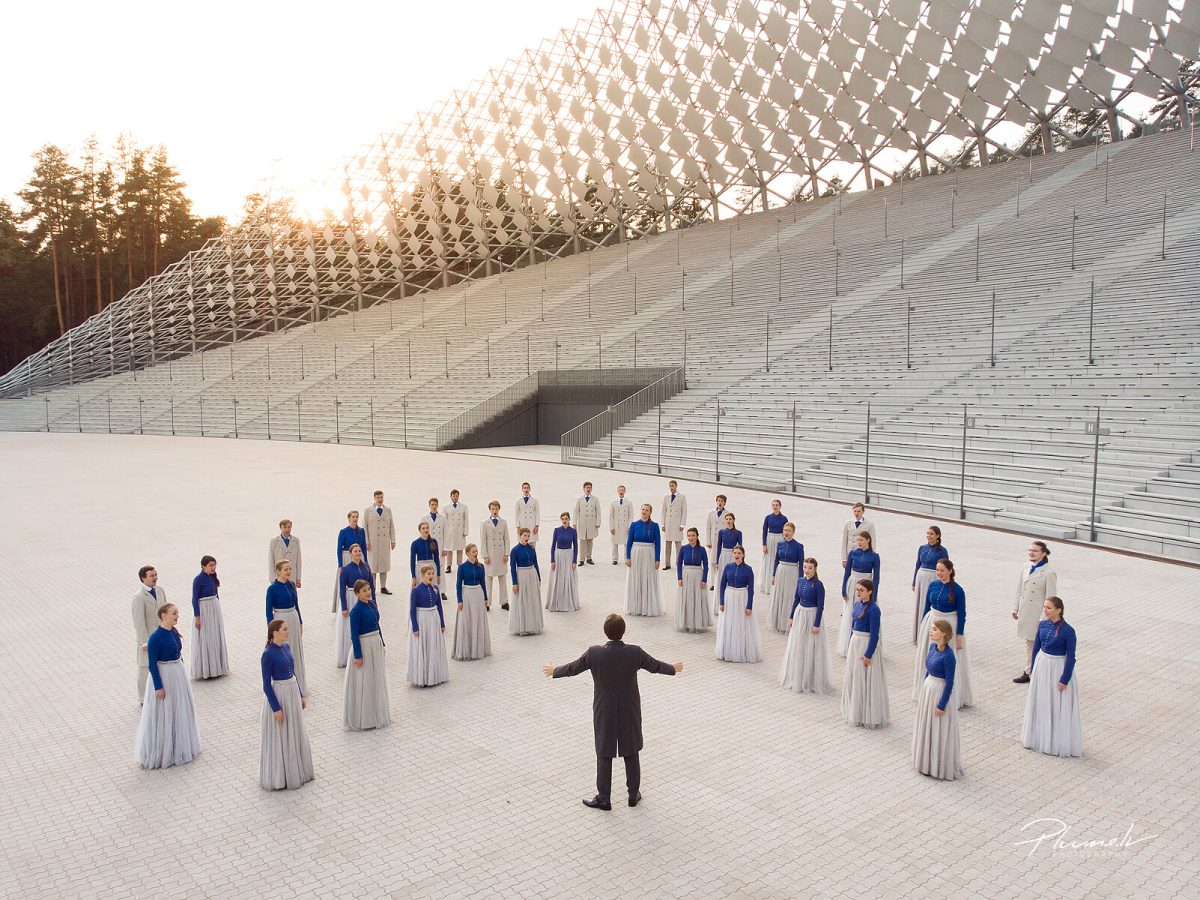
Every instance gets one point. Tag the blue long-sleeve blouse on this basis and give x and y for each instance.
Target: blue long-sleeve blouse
(867, 618)
(472, 575)
(565, 537)
(364, 619)
(352, 572)
(348, 537)
(422, 550)
(522, 555)
(277, 664)
(738, 575)
(203, 586)
(164, 645)
(727, 539)
(283, 595)
(864, 562)
(644, 533)
(927, 558)
(810, 593)
(939, 596)
(1056, 639)
(789, 552)
(691, 556)
(941, 664)
(773, 524)
(425, 596)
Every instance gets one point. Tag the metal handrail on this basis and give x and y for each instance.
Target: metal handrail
(601, 425)
(527, 389)
(463, 423)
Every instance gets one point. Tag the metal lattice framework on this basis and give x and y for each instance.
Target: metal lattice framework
(654, 115)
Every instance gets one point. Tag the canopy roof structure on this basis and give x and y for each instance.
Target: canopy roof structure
(655, 115)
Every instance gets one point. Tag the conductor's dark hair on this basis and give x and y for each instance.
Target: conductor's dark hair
(614, 627)
(143, 571)
(1045, 549)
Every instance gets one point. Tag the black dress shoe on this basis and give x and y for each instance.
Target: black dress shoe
(634, 801)
(614, 562)
(447, 570)
(385, 591)
(597, 803)
(590, 563)
(667, 567)
(1023, 678)
(443, 597)
(504, 606)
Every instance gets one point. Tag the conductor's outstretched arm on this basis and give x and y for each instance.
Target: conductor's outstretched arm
(573, 668)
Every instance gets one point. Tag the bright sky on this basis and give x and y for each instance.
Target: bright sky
(242, 90)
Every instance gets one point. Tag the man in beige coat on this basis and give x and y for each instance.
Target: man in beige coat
(587, 522)
(494, 544)
(850, 531)
(1037, 582)
(620, 514)
(381, 539)
(284, 545)
(674, 521)
(146, 602)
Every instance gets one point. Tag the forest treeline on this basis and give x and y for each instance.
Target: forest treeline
(90, 226)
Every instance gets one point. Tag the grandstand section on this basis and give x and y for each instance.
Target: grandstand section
(392, 374)
(1004, 334)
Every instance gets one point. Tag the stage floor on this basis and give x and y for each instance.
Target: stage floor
(750, 790)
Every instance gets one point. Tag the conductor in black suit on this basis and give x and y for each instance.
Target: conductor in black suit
(616, 706)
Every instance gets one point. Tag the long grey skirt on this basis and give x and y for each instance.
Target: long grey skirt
(427, 663)
(691, 604)
(847, 625)
(286, 757)
(296, 640)
(962, 694)
(365, 701)
(806, 665)
(167, 734)
(738, 639)
(341, 639)
(641, 583)
(768, 562)
(1051, 724)
(935, 744)
(783, 592)
(562, 590)
(525, 609)
(925, 577)
(472, 635)
(864, 688)
(210, 658)
(724, 558)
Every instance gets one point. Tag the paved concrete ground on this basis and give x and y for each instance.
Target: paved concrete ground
(750, 791)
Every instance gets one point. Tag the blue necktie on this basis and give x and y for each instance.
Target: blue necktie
(495, 521)
(433, 516)
(286, 540)
(153, 594)
(622, 501)
(857, 523)
(379, 510)
(526, 499)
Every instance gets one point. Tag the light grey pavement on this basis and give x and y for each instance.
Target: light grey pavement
(750, 790)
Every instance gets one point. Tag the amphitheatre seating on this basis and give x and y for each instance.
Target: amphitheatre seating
(909, 297)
